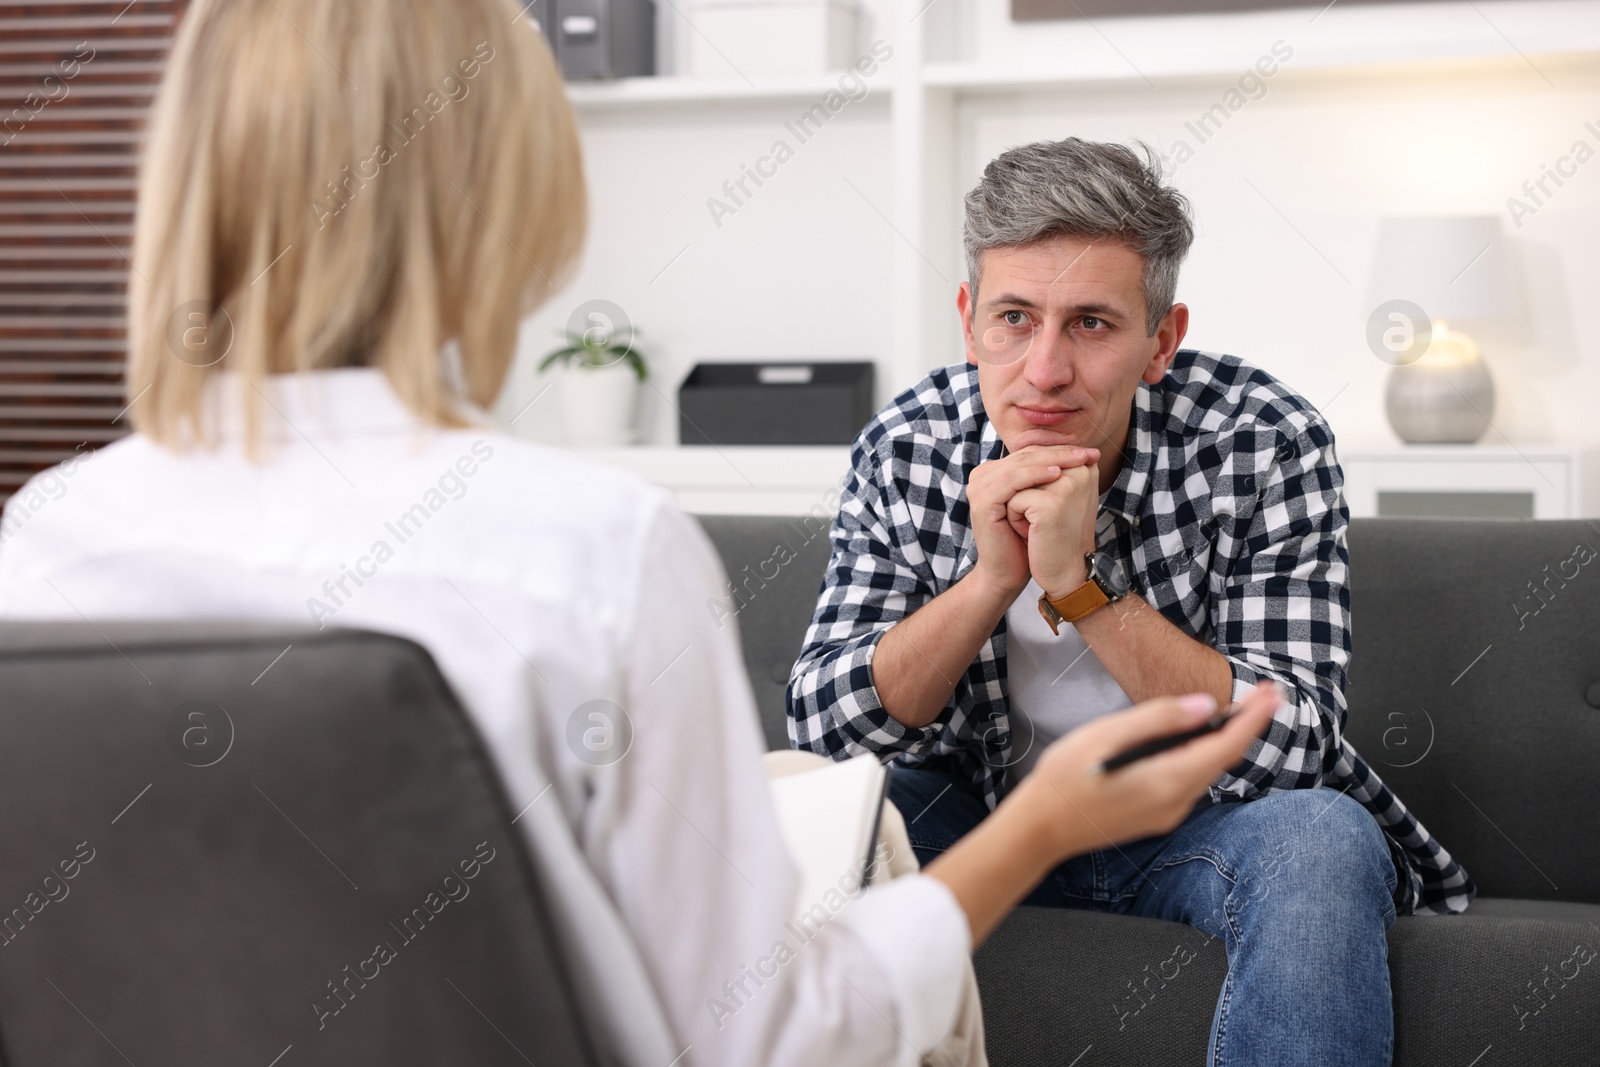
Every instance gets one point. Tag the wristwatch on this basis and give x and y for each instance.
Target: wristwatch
(1106, 585)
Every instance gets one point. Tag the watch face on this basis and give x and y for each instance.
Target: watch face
(1110, 576)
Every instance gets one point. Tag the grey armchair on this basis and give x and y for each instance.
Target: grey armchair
(211, 855)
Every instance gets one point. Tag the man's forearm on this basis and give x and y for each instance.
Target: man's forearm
(1150, 657)
(922, 657)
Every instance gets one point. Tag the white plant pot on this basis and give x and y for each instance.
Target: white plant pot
(598, 404)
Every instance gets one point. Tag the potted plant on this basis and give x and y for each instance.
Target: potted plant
(601, 371)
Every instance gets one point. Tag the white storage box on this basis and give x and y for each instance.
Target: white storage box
(770, 38)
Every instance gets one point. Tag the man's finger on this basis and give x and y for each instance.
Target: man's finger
(1075, 480)
(1087, 453)
(1065, 457)
(1014, 478)
(1020, 502)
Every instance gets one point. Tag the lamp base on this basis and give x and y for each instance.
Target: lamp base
(1440, 405)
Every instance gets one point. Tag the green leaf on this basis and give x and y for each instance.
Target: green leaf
(621, 348)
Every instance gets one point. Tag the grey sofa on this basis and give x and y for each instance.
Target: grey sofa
(1474, 691)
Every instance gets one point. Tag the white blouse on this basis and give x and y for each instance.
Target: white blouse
(540, 583)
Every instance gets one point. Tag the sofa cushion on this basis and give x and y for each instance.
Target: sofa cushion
(1560, 911)
(1059, 984)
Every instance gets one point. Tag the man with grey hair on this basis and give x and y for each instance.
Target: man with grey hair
(1083, 516)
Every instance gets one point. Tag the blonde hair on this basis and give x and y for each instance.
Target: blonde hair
(335, 183)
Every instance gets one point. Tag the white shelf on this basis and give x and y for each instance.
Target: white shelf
(740, 479)
(974, 76)
(649, 92)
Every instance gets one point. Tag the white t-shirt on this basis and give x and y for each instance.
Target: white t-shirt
(1054, 681)
(540, 582)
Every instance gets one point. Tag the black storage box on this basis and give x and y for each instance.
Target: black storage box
(774, 403)
(603, 38)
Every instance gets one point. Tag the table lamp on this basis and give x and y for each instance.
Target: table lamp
(1441, 270)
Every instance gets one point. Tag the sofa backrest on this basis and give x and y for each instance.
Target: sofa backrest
(1474, 685)
(217, 847)
(776, 566)
(1475, 691)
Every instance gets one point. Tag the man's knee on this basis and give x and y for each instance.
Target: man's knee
(1338, 826)
(1319, 844)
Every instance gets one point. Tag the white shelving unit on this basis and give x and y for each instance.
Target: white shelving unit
(1485, 480)
(964, 79)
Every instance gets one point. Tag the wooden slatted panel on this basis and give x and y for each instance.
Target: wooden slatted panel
(76, 80)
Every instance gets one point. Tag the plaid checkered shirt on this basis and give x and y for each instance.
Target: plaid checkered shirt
(1228, 517)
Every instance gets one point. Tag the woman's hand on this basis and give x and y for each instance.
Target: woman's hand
(1060, 810)
(1151, 796)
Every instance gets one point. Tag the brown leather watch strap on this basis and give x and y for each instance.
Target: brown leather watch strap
(1081, 602)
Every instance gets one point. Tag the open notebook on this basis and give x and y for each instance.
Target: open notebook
(829, 819)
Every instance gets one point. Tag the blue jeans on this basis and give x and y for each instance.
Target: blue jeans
(1299, 886)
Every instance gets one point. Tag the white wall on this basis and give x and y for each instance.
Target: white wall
(1329, 157)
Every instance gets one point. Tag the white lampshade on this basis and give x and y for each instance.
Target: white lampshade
(1453, 267)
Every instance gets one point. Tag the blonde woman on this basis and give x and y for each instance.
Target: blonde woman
(345, 208)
